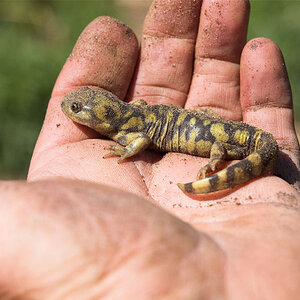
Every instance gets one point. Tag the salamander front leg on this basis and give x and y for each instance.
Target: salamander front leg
(135, 142)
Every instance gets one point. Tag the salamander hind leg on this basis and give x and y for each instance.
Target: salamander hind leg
(222, 179)
(217, 156)
(135, 142)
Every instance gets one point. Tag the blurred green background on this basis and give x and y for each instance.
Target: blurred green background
(36, 38)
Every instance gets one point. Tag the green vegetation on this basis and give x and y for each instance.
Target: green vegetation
(36, 38)
(279, 21)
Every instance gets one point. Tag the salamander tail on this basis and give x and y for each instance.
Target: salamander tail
(259, 162)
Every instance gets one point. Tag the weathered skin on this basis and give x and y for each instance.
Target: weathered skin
(168, 128)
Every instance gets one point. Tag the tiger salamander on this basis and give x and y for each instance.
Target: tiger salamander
(166, 128)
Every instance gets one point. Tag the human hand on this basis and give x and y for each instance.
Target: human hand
(183, 65)
(232, 247)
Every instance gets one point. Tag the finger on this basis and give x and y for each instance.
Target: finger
(266, 100)
(167, 50)
(104, 55)
(221, 37)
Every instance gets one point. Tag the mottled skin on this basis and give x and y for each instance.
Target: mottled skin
(168, 128)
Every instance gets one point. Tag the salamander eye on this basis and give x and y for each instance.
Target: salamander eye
(76, 107)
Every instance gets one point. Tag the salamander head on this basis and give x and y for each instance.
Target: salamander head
(79, 106)
(93, 107)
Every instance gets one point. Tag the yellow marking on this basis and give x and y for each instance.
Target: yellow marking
(255, 160)
(181, 186)
(128, 113)
(132, 136)
(201, 186)
(169, 146)
(133, 122)
(199, 110)
(203, 147)
(233, 153)
(212, 113)
(119, 134)
(257, 138)
(181, 117)
(182, 140)
(191, 144)
(151, 118)
(216, 152)
(217, 130)
(240, 176)
(162, 137)
(103, 127)
(170, 116)
(173, 144)
(151, 132)
(114, 106)
(241, 136)
(192, 121)
(100, 112)
(161, 110)
(117, 111)
(222, 183)
(206, 122)
(139, 102)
